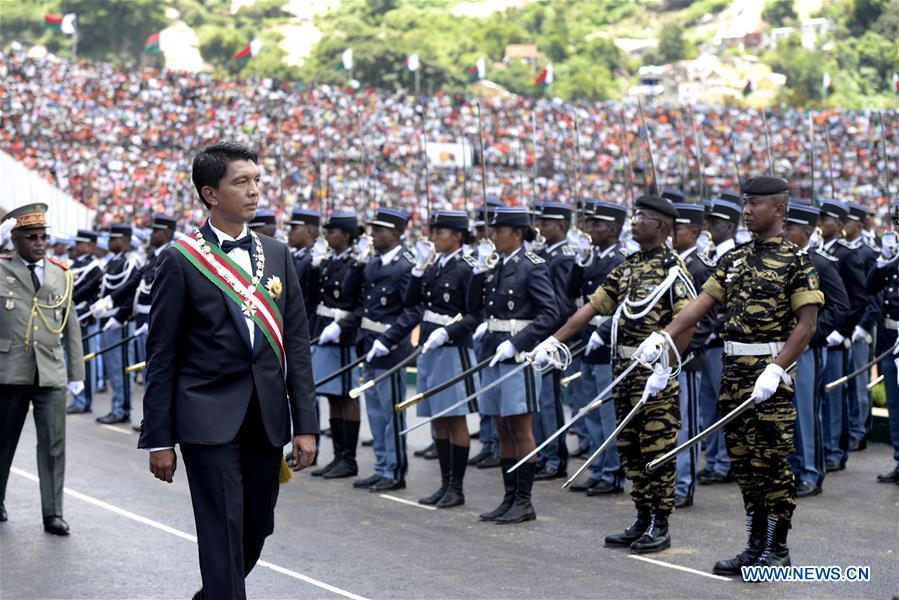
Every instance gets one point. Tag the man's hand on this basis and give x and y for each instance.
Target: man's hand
(331, 333)
(437, 338)
(767, 382)
(163, 464)
(112, 324)
(594, 343)
(479, 332)
(504, 351)
(303, 451)
(860, 334)
(142, 329)
(101, 306)
(651, 348)
(378, 349)
(75, 387)
(835, 339)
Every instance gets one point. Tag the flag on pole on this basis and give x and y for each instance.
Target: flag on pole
(346, 59)
(545, 78)
(477, 71)
(748, 88)
(153, 44)
(247, 52)
(895, 87)
(827, 85)
(63, 23)
(412, 63)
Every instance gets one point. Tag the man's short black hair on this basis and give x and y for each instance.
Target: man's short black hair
(211, 164)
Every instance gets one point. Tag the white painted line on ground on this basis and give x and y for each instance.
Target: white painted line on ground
(680, 568)
(409, 502)
(116, 429)
(191, 538)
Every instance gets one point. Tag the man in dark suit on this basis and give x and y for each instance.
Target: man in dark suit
(227, 374)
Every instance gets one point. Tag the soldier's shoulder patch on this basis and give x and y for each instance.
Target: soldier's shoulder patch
(826, 254)
(813, 281)
(568, 250)
(471, 262)
(409, 256)
(58, 263)
(534, 258)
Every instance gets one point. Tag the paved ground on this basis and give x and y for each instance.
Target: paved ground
(132, 536)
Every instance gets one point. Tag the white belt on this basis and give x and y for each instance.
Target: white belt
(891, 324)
(765, 349)
(369, 325)
(142, 309)
(626, 351)
(511, 326)
(599, 320)
(334, 313)
(436, 318)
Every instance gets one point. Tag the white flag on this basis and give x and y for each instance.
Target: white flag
(412, 63)
(255, 46)
(482, 68)
(68, 23)
(347, 59)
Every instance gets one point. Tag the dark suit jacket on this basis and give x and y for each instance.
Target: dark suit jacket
(201, 370)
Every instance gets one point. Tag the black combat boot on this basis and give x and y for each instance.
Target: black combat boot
(458, 462)
(521, 509)
(337, 439)
(510, 481)
(443, 457)
(756, 529)
(655, 538)
(776, 553)
(633, 532)
(349, 435)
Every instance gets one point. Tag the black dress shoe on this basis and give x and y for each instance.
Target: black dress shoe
(431, 453)
(484, 453)
(683, 501)
(804, 489)
(56, 526)
(490, 462)
(71, 409)
(361, 484)
(890, 477)
(583, 487)
(423, 451)
(581, 450)
(633, 532)
(3, 515)
(831, 466)
(386, 484)
(656, 537)
(111, 419)
(347, 467)
(546, 474)
(858, 445)
(603, 488)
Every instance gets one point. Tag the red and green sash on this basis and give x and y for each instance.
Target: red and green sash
(261, 308)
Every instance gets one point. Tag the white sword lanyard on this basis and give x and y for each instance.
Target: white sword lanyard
(112, 282)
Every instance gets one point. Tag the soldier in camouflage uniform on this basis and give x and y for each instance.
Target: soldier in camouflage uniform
(771, 292)
(653, 431)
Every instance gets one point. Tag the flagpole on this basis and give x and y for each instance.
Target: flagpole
(418, 84)
(75, 40)
(811, 145)
(483, 157)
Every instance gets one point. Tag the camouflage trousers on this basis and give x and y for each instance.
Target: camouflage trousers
(651, 433)
(760, 439)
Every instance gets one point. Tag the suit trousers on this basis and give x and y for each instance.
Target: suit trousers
(233, 489)
(50, 428)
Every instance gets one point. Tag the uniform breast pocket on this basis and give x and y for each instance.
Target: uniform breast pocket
(510, 299)
(767, 285)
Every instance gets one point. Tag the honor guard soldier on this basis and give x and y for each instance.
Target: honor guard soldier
(807, 460)
(161, 236)
(439, 288)
(337, 319)
(514, 291)
(40, 328)
(851, 265)
(553, 220)
(771, 292)
(884, 281)
(488, 457)
(304, 230)
(384, 333)
(603, 222)
(643, 293)
(264, 222)
(88, 272)
(687, 229)
(120, 280)
(722, 221)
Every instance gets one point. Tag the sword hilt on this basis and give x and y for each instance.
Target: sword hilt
(358, 391)
(409, 402)
(136, 367)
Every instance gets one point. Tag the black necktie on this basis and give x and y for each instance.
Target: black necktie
(244, 242)
(34, 280)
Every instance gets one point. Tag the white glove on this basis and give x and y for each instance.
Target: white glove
(142, 329)
(835, 339)
(658, 380)
(542, 354)
(651, 348)
(504, 351)
(594, 343)
(888, 246)
(112, 325)
(331, 333)
(860, 334)
(424, 251)
(6, 228)
(479, 332)
(75, 387)
(437, 338)
(485, 251)
(362, 249)
(377, 349)
(104, 304)
(767, 383)
(320, 251)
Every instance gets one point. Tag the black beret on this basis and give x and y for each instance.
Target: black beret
(658, 204)
(765, 186)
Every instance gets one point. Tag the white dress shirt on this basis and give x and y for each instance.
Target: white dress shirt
(445, 258)
(724, 247)
(39, 268)
(242, 258)
(390, 254)
(508, 258)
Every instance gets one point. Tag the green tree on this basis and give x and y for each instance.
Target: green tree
(672, 46)
(115, 31)
(779, 12)
(218, 44)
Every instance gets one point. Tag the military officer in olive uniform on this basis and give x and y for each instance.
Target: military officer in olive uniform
(771, 292)
(38, 329)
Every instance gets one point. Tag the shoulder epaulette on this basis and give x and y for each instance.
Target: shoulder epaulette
(851, 245)
(58, 263)
(409, 256)
(706, 259)
(469, 260)
(624, 252)
(568, 250)
(5, 256)
(534, 258)
(826, 254)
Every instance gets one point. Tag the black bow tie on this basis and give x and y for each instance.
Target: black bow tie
(244, 242)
